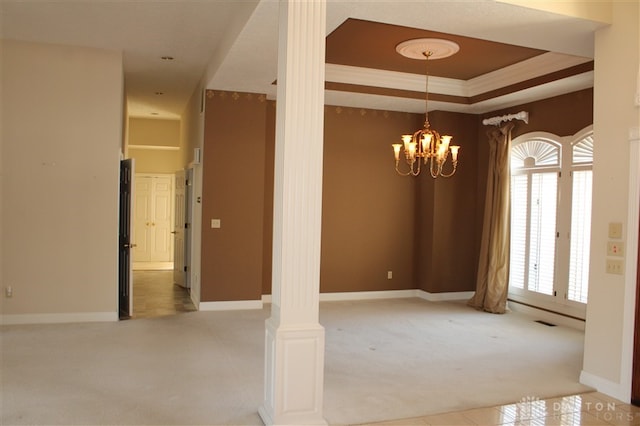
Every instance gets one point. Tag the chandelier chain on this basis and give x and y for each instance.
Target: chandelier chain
(427, 55)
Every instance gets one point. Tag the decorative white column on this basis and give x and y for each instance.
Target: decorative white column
(294, 343)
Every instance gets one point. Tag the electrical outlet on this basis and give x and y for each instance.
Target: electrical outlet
(614, 266)
(8, 291)
(389, 275)
(615, 248)
(215, 223)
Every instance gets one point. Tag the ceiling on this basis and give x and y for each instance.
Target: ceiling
(508, 54)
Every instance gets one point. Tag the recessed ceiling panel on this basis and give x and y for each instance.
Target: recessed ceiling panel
(369, 44)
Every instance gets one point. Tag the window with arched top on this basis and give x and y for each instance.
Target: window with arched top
(551, 220)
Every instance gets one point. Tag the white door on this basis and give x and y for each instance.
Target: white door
(179, 261)
(153, 222)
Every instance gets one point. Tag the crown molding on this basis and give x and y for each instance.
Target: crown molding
(522, 71)
(393, 80)
(531, 68)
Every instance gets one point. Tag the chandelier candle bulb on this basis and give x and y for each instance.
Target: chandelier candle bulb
(406, 139)
(454, 153)
(396, 151)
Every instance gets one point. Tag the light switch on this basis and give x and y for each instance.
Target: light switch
(215, 223)
(615, 230)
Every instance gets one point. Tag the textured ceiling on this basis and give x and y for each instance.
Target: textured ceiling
(233, 46)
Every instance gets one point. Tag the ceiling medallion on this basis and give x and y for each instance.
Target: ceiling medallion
(438, 47)
(426, 145)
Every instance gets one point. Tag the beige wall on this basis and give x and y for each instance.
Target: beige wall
(616, 72)
(61, 136)
(191, 138)
(161, 139)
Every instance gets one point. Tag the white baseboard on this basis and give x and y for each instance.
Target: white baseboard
(12, 319)
(547, 316)
(442, 297)
(387, 294)
(367, 295)
(231, 305)
(606, 386)
(152, 266)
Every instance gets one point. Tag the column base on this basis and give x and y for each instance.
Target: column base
(294, 374)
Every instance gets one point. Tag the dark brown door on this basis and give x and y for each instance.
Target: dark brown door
(124, 249)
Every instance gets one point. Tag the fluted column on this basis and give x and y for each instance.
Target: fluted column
(294, 340)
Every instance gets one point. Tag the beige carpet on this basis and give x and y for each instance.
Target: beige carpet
(385, 359)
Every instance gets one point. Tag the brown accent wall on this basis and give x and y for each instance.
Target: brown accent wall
(270, 137)
(427, 231)
(368, 210)
(233, 191)
(446, 212)
(562, 115)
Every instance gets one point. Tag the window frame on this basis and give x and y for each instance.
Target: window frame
(558, 301)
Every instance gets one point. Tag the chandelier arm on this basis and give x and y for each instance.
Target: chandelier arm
(401, 173)
(453, 171)
(438, 170)
(412, 171)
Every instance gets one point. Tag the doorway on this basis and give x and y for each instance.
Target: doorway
(153, 222)
(161, 228)
(155, 294)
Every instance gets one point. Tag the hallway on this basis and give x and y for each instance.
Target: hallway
(155, 295)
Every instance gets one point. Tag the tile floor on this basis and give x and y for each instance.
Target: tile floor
(155, 294)
(592, 408)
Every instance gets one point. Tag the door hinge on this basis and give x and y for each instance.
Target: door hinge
(555, 293)
(186, 269)
(559, 174)
(186, 226)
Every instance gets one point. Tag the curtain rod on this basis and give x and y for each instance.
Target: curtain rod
(522, 115)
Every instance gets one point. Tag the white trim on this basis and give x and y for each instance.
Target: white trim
(155, 147)
(631, 265)
(230, 305)
(152, 266)
(343, 296)
(547, 316)
(12, 319)
(367, 295)
(605, 386)
(537, 66)
(347, 74)
(443, 297)
(530, 68)
(387, 294)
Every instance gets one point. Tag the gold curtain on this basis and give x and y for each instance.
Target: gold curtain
(492, 282)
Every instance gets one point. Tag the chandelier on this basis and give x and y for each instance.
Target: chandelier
(426, 145)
